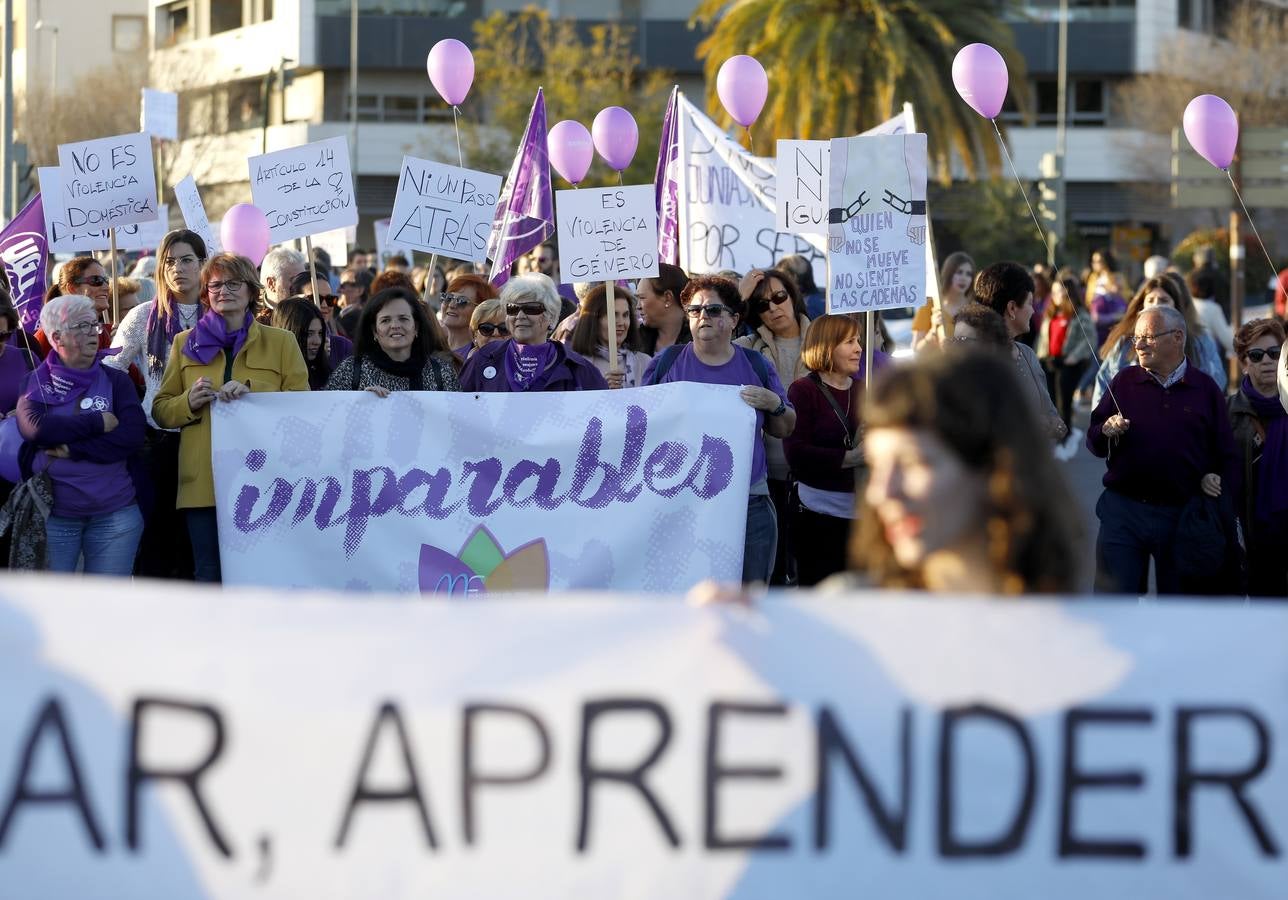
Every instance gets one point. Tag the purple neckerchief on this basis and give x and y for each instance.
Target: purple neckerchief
(525, 363)
(55, 383)
(161, 334)
(1272, 473)
(212, 335)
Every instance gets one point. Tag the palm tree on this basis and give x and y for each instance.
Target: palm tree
(838, 67)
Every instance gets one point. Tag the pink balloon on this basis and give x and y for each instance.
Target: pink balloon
(743, 86)
(616, 136)
(1212, 129)
(979, 74)
(451, 70)
(244, 231)
(571, 150)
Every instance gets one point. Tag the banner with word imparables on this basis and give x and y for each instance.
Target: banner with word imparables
(642, 489)
(198, 744)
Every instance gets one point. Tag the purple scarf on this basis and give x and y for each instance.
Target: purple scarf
(212, 335)
(525, 364)
(54, 383)
(161, 334)
(1272, 473)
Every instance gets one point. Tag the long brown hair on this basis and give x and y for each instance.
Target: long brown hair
(165, 301)
(953, 262)
(594, 309)
(1172, 287)
(972, 401)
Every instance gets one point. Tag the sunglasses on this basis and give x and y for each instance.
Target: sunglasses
(95, 280)
(487, 329)
(1258, 355)
(528, 309)
(457, 300)
(711, 311)
(329, 299)
(776, 298)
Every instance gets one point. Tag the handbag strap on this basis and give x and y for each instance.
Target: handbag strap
(836, 407)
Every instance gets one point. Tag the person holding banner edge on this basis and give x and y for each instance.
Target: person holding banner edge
(399, 348)
(225, 356)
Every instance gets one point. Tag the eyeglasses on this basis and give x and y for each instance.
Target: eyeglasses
(1149, 340)
(85, 328)
(528, 309)
(710, 310)
(329, 299)
(487, 329)
(1258, 354)
(231, 286)
(461, 300)
(94, 280)
(174, 262)
(776, 297)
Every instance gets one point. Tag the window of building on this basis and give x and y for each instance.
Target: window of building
(174, 24)
(245, 104)
(225, 15)
(1087, 102)
(129, 34)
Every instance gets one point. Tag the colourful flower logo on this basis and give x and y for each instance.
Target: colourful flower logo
(481, 567)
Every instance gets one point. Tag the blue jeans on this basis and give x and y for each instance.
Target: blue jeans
(203, 531)
(762, 540)
(107, 542)
(1131, 532)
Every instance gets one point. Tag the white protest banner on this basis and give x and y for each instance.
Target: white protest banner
(62, 238)
(247, 744)
(304, 190)
(107, 182)
(194, 213)
(461, 493)
(336, 245)
(146, 235)
(877, 223)
(606, 233)
(444, 209)
(801, 187)
(159, 114)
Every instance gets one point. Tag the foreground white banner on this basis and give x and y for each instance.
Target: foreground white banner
(247, 745)
(469, 493)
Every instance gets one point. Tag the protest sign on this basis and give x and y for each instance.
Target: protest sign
(304, 190)
(24, 250)
(606, 233)
(106, 182)
(462, 493)
(444, 209)
(336, 244)
(801, 186)
(194, 213)
(145, 235)
(159, 114)
(877, 223)
(247, 743)
(62, 237)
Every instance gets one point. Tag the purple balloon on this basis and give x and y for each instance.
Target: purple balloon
(451, 70)
(244, 231)
(979, 74)
(616, 136)
(743, 86)
(1212, 129)
(571, 150)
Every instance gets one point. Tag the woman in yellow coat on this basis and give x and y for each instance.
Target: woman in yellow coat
(226, 356)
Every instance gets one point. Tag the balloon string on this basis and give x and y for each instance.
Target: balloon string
(457, 122)
(621, 182)
(1274, 270)
(751, 141)
(1043, 238)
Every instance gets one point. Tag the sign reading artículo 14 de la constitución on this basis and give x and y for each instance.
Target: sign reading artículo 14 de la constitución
(304, 190)
(607, 233)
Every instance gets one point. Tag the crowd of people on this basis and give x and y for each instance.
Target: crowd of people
(944, 474)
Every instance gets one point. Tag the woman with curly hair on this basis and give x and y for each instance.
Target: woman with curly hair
(963, 494)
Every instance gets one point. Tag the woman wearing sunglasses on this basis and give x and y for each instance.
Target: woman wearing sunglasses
(487, 324)
(528, 361)
(82, 275)
(1261, 434)
(227, 355)
(463, 295)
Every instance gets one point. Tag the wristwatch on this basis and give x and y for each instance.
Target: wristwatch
(781, 408)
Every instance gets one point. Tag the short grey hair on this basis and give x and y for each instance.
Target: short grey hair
(1172, 318)
(534, 286)
(55, 314)
(278, 260)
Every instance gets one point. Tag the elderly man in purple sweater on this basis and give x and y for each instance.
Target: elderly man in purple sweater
(1168, 438)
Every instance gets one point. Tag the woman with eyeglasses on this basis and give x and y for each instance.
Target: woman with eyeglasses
(87, 420)
(463, 295)
(1261, 434)
(355, 289)
(487, 324)
(399, 348)
(145, 337)
(224, 357)
(82, 275)
(528, 361)
(590, 337)
(338, 347)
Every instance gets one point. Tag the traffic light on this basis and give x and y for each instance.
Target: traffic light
(1051, 199)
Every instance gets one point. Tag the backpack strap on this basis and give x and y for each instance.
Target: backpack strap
(758, 363)
(665, 360)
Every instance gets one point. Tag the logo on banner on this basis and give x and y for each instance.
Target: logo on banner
(481, 567)
(22, 254)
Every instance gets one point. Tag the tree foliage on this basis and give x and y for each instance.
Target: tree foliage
(582, 70)
(838, 67)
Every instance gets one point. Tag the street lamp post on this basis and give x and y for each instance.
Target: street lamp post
(353, 94)
(42, 25)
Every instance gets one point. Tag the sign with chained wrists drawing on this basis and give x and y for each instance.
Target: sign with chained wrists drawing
(876, 239)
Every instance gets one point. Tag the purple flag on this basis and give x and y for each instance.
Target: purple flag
(525, 217)
(666, 182)
(25, 253)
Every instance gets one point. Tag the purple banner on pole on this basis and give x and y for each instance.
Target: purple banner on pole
(525, 217)
(666, 182)
(25, 253)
